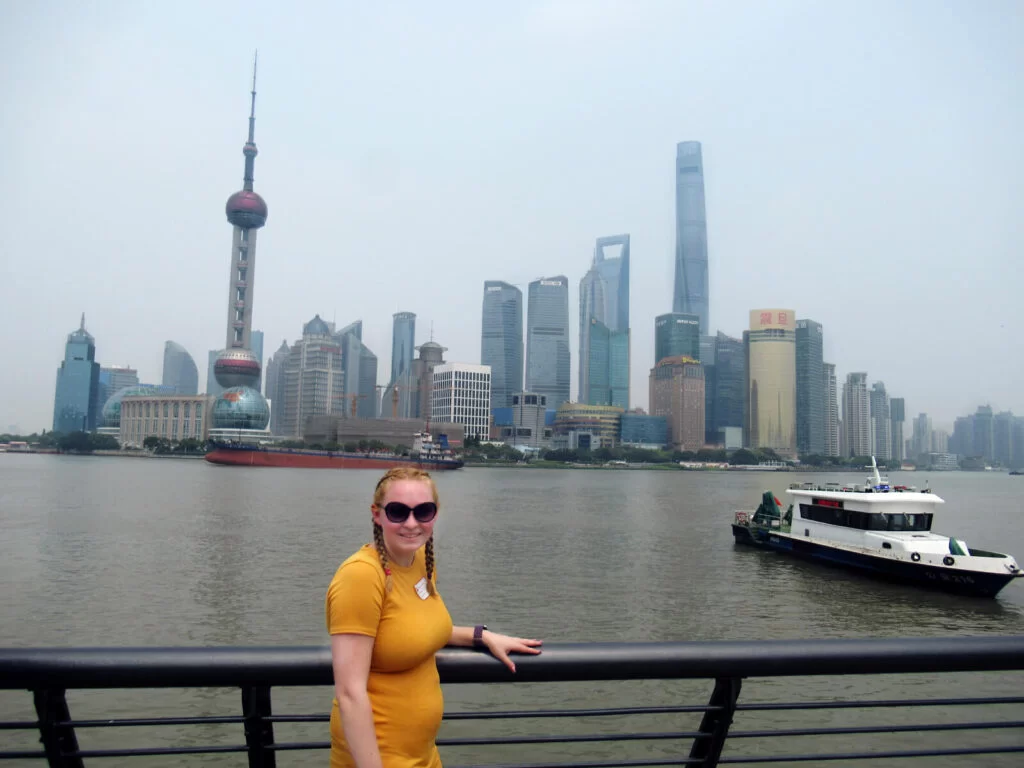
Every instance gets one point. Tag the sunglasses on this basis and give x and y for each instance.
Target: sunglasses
(397, 512)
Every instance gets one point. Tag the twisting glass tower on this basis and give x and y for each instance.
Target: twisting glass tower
(241, 406)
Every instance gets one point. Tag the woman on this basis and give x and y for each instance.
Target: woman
(386, 622)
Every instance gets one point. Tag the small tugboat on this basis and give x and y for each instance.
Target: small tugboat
(881, 530)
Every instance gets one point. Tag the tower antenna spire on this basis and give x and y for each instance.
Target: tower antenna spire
(249, 150)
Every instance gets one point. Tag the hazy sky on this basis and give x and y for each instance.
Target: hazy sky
(863, 166)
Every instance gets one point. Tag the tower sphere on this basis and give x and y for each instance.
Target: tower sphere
(237, 368)
(240, 408)
(246, 209)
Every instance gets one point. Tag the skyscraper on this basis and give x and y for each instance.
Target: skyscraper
(112, 379)
(771, 381)
(810, 389)
(881, 426)
(730, 383)
(604, 297)
(856, 416)
(831, 410)
(360, 366)
(677, 394)
(921, 438)
(501, 340)
(237, 369)
(313, 379)
(677, 334)
(180, 370)
(547, 339)
(403, 343)
(256, 345)
(897, 415)
(76, 405)
(274, 388)
(691, 267)
(983, 442)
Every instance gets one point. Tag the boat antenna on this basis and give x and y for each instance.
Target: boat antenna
(874, 470)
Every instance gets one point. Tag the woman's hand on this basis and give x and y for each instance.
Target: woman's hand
(501, 646)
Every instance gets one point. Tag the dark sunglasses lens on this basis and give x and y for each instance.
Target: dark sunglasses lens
(397, 512)
(425, 512)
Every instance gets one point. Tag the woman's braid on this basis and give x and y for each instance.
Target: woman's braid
(430, 564)
(382, 553)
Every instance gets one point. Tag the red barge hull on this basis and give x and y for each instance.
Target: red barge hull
(284, 457)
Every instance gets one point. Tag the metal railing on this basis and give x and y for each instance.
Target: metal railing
(49, 673)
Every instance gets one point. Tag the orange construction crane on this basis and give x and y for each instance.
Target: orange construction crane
(354, 399)
(394, 398)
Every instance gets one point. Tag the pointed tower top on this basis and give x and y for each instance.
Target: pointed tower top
(82, 326)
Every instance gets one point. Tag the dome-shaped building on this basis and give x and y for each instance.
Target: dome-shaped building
(111, 415)
(240, 408)
(316, 327)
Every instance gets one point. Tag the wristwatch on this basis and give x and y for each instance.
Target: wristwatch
(478, 635)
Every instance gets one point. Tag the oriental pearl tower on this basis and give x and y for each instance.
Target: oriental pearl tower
(240, 405)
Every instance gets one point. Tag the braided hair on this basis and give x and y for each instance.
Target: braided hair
(402, 473)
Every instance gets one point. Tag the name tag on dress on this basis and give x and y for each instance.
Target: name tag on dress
(421, 589)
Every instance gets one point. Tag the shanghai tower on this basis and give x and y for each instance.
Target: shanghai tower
(691, 278)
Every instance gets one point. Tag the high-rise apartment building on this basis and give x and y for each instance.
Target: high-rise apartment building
(810, 389)
(547, 339)
(691, 262)
(984, 433)
(831, 409)
(677, 334)
(313, 379)
(604, 326)
(939, 441)
(897, 416)
(1002, 438)
(771, 381)
(461, 394)
(881, 423)
(179, 371)
(961, 442)
(403, 343)
(921, 437)
(501, 340)
(856, 416)
(677, 394)
(76, 406)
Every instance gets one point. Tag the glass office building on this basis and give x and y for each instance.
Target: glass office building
(501, 340)
(76, 405)
(604, 322)
(180, 370)
(691, 263)
(547, 339)
(810, 389)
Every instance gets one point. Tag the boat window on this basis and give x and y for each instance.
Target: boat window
(866, 521)
(886, 545)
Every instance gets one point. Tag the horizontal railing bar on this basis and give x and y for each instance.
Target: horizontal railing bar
(594, 763)
(37, 668)
(153, 721)
(24, 755)
(153, 751)
(570, 738)
(542, 713)
(19, 725)
(867, 704)
(873, 755)
(922, 728)
(326, 718)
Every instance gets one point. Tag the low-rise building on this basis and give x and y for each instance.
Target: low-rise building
(638, 430)
(524, 423)
(579, 425)
(461, 394)
(170, 417)
(336, 428)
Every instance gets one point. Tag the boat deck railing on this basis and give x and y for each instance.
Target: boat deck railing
(719, 728)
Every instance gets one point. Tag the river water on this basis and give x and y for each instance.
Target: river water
(128, 552)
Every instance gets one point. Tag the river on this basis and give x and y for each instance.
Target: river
(127, 551)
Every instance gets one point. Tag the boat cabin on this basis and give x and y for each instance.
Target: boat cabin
(873, 516)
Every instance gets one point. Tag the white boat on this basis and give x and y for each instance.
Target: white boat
(878, 529)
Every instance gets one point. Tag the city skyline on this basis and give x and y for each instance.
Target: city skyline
(419, 204)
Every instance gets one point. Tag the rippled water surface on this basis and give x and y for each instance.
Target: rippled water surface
(110, 551)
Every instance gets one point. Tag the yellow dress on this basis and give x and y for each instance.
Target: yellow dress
(403, 685)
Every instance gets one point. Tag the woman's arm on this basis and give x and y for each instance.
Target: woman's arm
(350, 658)
(499, 645)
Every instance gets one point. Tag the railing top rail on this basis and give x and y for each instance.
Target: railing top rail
(185, 667)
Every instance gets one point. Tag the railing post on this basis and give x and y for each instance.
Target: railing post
(59, 741)
(716, 721)
(259, 731)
